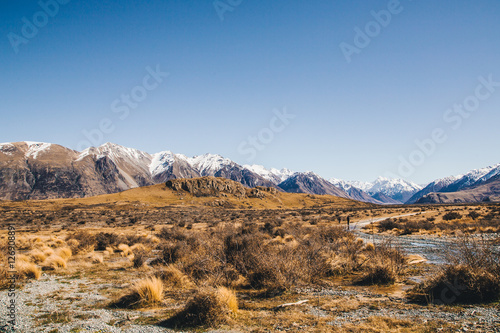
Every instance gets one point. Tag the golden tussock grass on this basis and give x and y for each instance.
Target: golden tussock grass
(64, 252)
(228, 297)
(208, 307)
(150, 290)
(369, 247)
(54, 262)
(37, 256)
(23, 257)
(143, 293)
(138, 247)
(28, 270)
(125, 250)
(47, 250)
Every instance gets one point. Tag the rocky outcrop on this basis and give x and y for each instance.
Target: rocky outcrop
(208, 187)
(218, 187)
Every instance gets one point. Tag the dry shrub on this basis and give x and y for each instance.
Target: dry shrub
(208, 307)
(174, 277)
(377, 274)
(139, 258)
(73, 244)
(104, 240)
(171, 252)
(472, 276)
(86, 242)
(458, 284)
(28, 270)
(144, 293)
(54, 262)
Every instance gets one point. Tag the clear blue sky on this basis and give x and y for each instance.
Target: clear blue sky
(352, 120)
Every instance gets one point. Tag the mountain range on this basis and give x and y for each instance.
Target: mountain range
(36, 170)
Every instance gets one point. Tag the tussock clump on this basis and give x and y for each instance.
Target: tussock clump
(28, 270)
(64, 252)
(369, 247)
(209, 307)
(144, 293)
(54, 262)
(23, 257)
(37, 256)
(124, 250)
(48, 251)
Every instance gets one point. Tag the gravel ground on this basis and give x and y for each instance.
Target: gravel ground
(53, 295)
(470, 318)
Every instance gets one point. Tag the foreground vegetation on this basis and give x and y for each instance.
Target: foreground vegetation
(246, 269)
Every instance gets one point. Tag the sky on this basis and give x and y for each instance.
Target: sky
(351, 89)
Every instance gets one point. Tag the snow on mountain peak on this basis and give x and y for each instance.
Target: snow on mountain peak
(273, 175)
(209, 164)
(160, 161)
(6, 148)
(35, 148)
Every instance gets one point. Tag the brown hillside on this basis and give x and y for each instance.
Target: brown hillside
(205, 191)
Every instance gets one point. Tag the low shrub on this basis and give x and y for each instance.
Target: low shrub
(143, 293)
(208, 307)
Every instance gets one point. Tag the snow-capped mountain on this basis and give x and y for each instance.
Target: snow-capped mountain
(434, 186)
(469, 180)
(38, 170)
(361, 195)
(210, 164)
(472, 177)
(273, 175)
(398, 190)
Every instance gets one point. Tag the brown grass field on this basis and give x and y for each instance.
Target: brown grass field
(166, 261)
